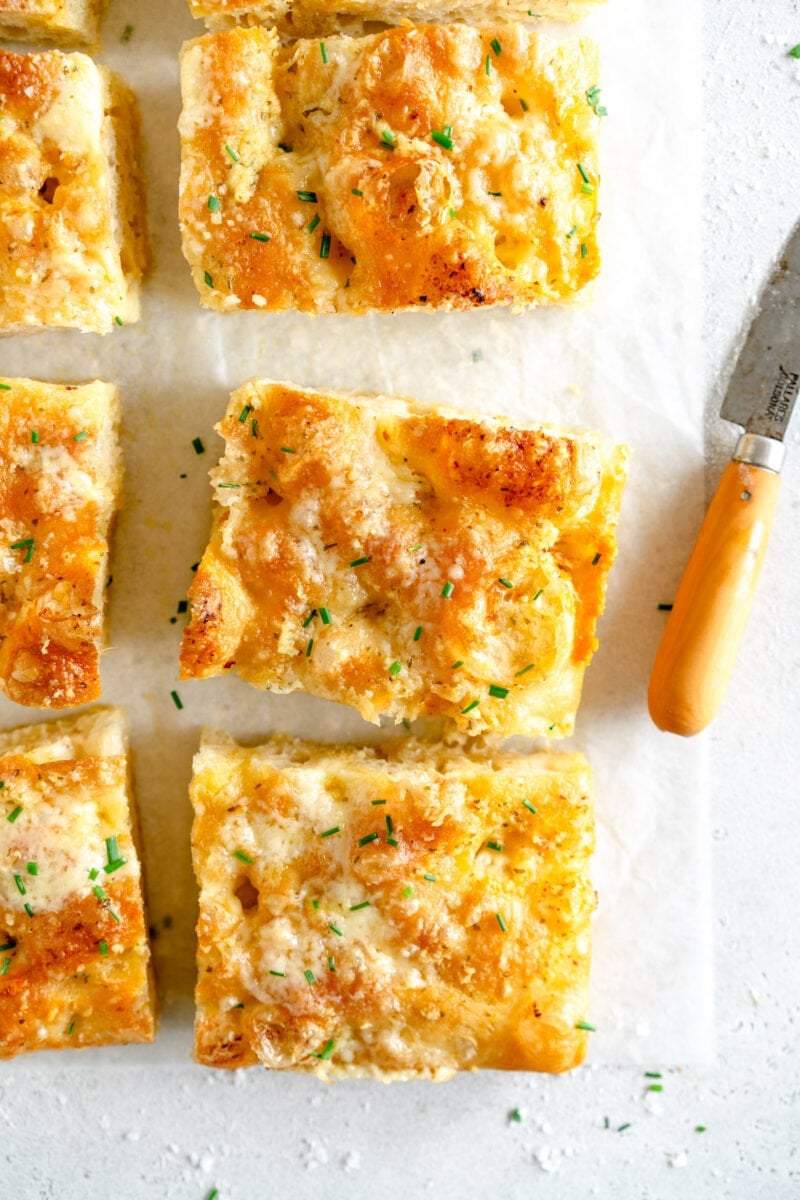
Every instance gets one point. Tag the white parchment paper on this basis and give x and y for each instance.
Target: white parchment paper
(628, 365)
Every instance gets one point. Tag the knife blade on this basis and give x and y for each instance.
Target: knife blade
(706, 626)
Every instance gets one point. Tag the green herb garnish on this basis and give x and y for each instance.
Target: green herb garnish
(530, 807)
(470, 707)
(501, 922)
(395, 669)
(586, 1027)
(242, 857)
(325, 616)
(335, 929)
(323, 52)
(231, 153)
(370, 837)
(359, 562)
(176, 700)
(442, 139)
(213, 204)
(12, 816)
(448, 590)
(330, 832)
(363, 904)
(498, 692)
(307, 197)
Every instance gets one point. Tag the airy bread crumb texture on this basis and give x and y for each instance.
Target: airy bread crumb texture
(73, 240)
(438, 167)
(407, 561)
(403, 911)
(74, 957)
(60, 483)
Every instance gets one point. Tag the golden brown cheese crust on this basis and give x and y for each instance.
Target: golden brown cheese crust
(363, 209)
(449, 510)
(61, 22)
(60, 478)
(407, 911)
(72, 227)
(74, 963)
(308, 18)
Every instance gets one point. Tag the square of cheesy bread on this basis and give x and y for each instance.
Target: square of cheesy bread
(60, 480)
(438, 167)
(404, 560)
(402, 911)
(62, 22)
(305, 18)
(73, 243)
(74, 960)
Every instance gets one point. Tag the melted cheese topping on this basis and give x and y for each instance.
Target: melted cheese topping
(58, 495)
(308, 18)
(75, 968)
(72, 242)
(399, 912)
(448, 510)
(391, 218)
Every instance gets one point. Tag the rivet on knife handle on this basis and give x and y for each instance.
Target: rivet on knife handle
(709, 614)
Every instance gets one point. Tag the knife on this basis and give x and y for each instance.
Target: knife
(705, 628)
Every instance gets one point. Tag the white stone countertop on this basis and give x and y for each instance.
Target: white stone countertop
(183, 1134)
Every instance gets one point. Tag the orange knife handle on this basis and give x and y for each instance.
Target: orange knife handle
(707, 623)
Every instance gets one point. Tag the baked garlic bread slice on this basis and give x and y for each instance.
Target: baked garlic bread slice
(60, 482)
(406, 561)
(72, 23)
(403, 911)
(437, 167)
(73, 243)
(74, 960)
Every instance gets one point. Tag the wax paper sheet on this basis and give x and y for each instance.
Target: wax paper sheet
(626, 364)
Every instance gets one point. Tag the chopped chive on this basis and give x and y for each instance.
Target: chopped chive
(470, 707)
(572, 231)
(12, 816)
(32, 868)
(430, 878)
(309, 647)
(622, 1128)
(245, 413)
(5, 966)
(330, 832)
(584, 250)
(313, 223)
(71, 1028)
(5, 387)
(389, 825)
(495, 44)
(26, 544)
(94, 873)
(498, 692)
(494, 846)
(103, 947)
(596, 559)
(395, 669)
(363, 904)
(124, 37)
(702, 1128)
(390, 841)
(118, 320)
(335, 929)
(325, 616)
(388, 138)
(35, 436)
(795, 51)
(586, 1027)
(229, 485)
(280, 974)
(652, 1075)
(213, 204)
(287, 450)
(331, 963)
(99, 892)
(112, 849)
(656, 1087)
(315, 904)
(356, 191)
(523, 104)
(214, 1193)
(488, 64)
(176, 700)
(374, 802)
(665, 608)
(183, 607)
(524, 670)
(584, 173)
(506, 583)
(448, 590)
(325, 246)
(359, 562)
(501, 922)
(530, 807)
(408, 891)
(413, 549)
(20, 885)
(28, 909)
(8, 946)
(309, 618)
(370, 837)
(417, 633)
(260, 237)
(242, 857)
(307, 197)
(229, 150)
(323, 52)
(442, 139)
(208, 279)
(326, 1052)
(491, 194)
(115, 865)
(458, 663)
(515, 1115)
